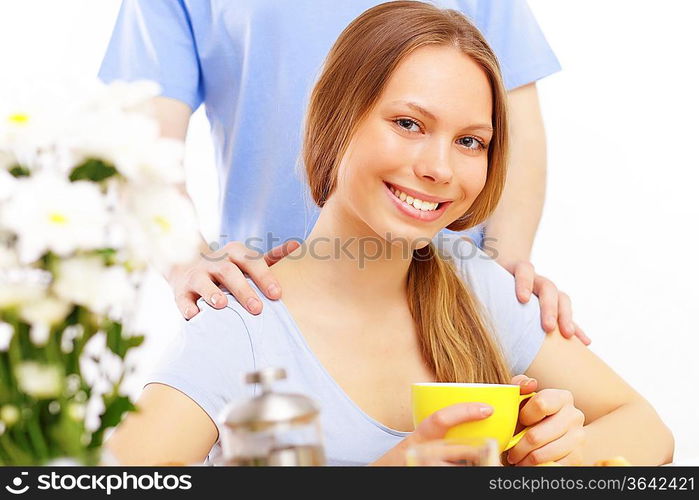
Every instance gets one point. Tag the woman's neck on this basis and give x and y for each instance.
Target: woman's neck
(344, 259)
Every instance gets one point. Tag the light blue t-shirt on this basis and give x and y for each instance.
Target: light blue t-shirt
(215, 349)
(253, 64)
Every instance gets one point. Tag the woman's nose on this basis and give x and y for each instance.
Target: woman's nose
(434, 164)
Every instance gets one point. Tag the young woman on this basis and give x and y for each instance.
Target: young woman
(406, 133)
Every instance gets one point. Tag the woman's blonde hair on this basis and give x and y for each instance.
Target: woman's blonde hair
(455, 341)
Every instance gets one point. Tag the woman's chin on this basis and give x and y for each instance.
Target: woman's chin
(406, 237)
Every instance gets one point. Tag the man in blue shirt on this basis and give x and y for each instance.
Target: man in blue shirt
(252, 63)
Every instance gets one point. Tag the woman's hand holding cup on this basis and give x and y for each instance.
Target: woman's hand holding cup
(556, 432)
(435, 427)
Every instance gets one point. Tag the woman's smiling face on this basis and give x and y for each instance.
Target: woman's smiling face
(425, 141)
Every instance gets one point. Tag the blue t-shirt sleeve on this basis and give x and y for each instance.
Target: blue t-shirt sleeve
(209, 358)
(517, 326)
(153, 40)
(514, 35)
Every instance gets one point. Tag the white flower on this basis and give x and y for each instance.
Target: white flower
(8, 258)
(88, 282)
(112, 135)
(70, 333)
(32, 117)
(9, 414)
(160, 162)
(15, 292)
(7, 160)
(6, 333)
(48, 212)
(46, 310)
(127, 96)
(39, 334)
(7, 183)
(39, 380)
(162, 226)
(76, 411)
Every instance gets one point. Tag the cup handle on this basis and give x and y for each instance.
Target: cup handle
(517, 437)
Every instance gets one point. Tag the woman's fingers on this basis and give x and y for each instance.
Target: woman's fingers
(558, 449)
(525, 383)
(550, 429)
(548, 301)
(436, 425)
(543, 404)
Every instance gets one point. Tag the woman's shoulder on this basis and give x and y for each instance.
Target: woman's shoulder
(517, 325)
(482, 273)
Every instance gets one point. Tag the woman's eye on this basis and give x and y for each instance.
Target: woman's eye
(471, 143)
(407, 124)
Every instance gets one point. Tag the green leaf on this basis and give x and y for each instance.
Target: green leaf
(116, 342)
(115, 406)
(15, 453)
(93, 169)
(108, 255)
(19, 171)
(66, 433)
(113, 330)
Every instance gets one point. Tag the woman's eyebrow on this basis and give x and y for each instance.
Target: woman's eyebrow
(486, 127)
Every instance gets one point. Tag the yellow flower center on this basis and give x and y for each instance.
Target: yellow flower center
(57, 218)
(162, 222)
(19, 118)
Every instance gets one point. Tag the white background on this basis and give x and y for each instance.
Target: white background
(619, 231)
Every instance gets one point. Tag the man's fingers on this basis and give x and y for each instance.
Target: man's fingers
(582, 335)
(280, 251)
(548, 301)
(234, 280)
(524, 281)
(257, 268)
(186, 303)
(202, 286)
(436, 425)
(565, 316)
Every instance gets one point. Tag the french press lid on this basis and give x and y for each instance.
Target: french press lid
(270, 409)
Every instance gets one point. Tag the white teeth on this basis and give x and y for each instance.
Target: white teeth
(415, 202)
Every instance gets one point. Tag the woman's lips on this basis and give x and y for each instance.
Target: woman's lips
(409, 210)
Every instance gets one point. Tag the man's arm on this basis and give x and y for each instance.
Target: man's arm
(512, 226)
(202, 276)
(173, 117)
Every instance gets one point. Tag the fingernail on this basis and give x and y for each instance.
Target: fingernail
(551, 321)
(571, 328)
(187, 312)
(215, 298)
(273, 290)
(252, 304)
(486, 411)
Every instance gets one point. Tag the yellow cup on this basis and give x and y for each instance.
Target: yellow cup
(504, 399)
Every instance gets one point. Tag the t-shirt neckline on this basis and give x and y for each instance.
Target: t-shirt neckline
(302, 340)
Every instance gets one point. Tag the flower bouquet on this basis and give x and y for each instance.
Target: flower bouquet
(90, 195)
